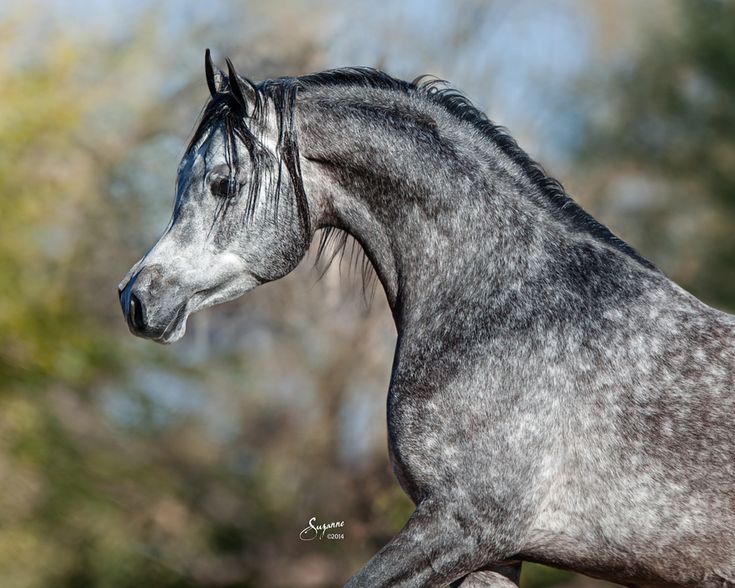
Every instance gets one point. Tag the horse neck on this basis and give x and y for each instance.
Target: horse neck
(447, 220)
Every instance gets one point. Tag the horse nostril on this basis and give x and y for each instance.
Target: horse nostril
(136, 313)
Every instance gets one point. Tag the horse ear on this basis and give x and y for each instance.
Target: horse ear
(215, 77)
(242, 89)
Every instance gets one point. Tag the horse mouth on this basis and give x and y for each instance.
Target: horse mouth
(176, 327)
(201, 299)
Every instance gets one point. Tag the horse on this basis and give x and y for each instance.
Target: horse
(554, 397)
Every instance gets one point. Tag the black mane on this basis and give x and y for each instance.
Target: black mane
(462, 108)
(283, 93)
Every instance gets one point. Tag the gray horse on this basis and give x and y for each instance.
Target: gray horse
(554, 398)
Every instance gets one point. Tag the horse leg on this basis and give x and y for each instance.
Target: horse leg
(500, 576)
(434, 548)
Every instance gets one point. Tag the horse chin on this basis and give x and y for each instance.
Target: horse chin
(176, 328)
(171, 337)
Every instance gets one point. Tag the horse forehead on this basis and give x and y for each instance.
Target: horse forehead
(203, 155)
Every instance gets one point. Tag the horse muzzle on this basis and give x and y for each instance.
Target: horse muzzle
(144, 298)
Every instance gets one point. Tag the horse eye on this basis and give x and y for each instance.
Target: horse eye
(223, 187)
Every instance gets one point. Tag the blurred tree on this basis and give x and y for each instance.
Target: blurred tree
(665, 140)
(58, 516)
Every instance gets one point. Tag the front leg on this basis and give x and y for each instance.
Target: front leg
(438, 544)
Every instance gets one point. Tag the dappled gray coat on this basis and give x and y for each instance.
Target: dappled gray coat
(554, 397)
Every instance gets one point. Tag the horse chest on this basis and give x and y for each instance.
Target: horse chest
(425, 442)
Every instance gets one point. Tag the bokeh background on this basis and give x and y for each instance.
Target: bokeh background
(126, 464)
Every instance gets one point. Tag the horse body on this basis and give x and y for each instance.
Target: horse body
(644, 495)
(554, 397)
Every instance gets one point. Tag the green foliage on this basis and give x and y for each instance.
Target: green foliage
(537, 576)
(673, 118)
